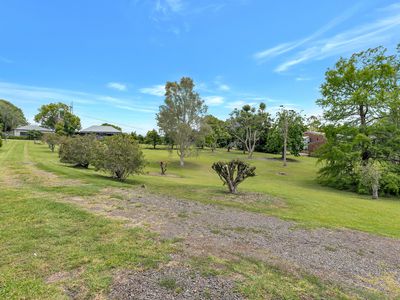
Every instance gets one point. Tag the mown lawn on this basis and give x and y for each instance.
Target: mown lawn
(300, 197)
(43, 239)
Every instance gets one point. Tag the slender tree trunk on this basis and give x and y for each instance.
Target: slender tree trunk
(285, 136)
(375, 192)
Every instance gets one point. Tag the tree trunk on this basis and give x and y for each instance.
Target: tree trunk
(285, 136)
(375, 192)
(284, 152)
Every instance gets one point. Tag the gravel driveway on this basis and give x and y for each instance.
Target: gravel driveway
(348, 257)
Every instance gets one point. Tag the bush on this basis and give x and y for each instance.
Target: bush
(233, 172)
(1, 142)
(51, 139)
(119, 155)
(77, 150)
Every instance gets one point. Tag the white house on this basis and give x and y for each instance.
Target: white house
(100, 130)
(23, 130)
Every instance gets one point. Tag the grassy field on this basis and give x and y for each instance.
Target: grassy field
(50, 249)
(298, 196)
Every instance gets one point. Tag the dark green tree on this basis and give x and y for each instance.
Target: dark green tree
(10, 116)
(58, 116)
(153, 138)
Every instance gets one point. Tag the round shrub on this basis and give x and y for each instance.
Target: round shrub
(77, 150)
(119, 155)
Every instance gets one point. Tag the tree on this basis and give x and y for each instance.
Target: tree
(10, 116)
(114, 126)
(233, 172)
(58, 116)
(120, 155)
(153, 138)
(360, 98)
(181, 117)
(370, 175)
(218, 135)
(51, 139)
(247, 124)
(77, 150)
(286, 134)
(314, 123)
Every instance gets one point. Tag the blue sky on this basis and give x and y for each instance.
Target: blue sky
(112, 58)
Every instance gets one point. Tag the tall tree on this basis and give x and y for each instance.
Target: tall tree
(58, 116)
(286, 133)
(247, 124)
(10, 116)
(181, 116)
(360, 98)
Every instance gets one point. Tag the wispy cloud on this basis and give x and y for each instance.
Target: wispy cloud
(214, 100)
(238, 104)
(384, 28)
(5, 60)
(302, 78)
(117, 86)
(155, 90)
(35, 94)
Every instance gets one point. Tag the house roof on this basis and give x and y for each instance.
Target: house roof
(100, 129)
(34, 127)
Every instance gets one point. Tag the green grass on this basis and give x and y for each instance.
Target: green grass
(41, 237)
(303, 199)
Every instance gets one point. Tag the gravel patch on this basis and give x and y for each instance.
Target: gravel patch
(171, 283)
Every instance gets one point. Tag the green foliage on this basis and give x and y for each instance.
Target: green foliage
(34, 135)
(247, 124)
(58, 116)
(10, 116)
(153, 138)
(181, 117)
(295, 131)
(119, 155)
(370, 175)
(361, 98)
(218, 135)
(233, 172)
(1, 141)
(51, 139)
(112, 125)
(77, 150)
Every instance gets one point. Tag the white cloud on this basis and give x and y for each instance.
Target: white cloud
(224, 87)
(155, 90)
(302, 78)
(213, 100)
(117, 86)
(381, 30)
(238, 104)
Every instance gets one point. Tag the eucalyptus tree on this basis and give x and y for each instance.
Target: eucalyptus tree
(181, 116)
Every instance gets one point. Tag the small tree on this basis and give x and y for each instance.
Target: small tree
(153, 138)
(163, 166)
(370, 175)
(34, 135)
(77, 150)
(233, 172)
(247, 124)
(51, 139)
(120, 155)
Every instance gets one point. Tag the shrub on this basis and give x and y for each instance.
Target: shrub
(51, 139)
(119, 155)
(77, 150)
(233, 172)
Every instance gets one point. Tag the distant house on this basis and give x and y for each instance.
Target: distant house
(23, 130)
(313, 140)
(100, 131)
